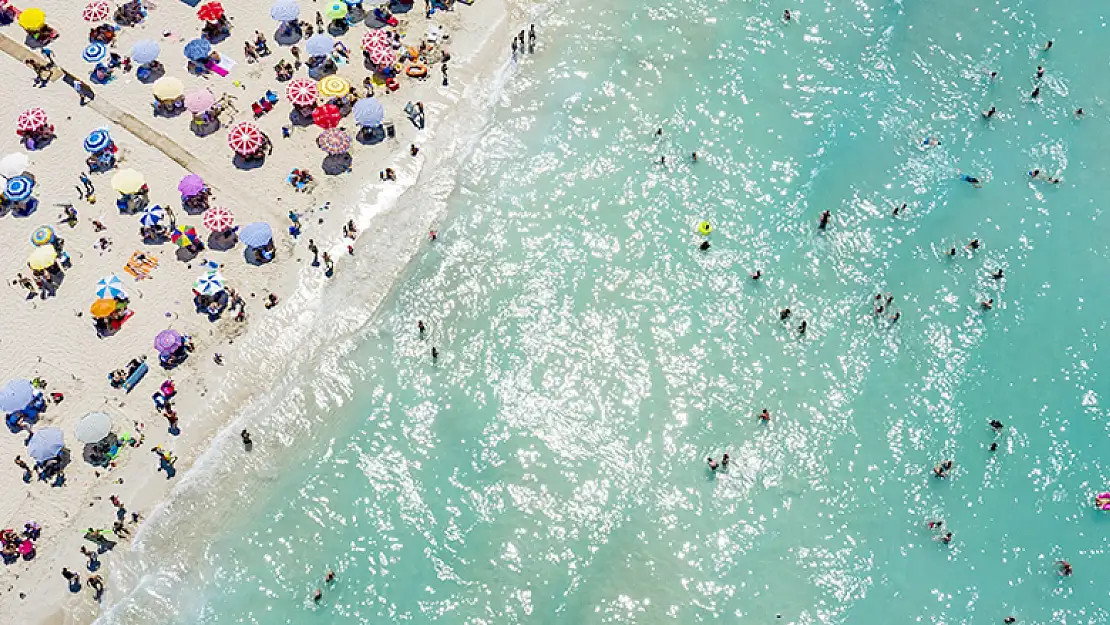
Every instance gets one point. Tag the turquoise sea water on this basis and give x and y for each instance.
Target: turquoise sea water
(550, 467)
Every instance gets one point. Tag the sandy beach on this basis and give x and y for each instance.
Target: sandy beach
(53, 338)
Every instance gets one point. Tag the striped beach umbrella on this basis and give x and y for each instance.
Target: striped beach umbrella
(19, 188)
(333, 85)
(110, 287)
(334, 141)
(218, 219)
(184, 235)
(95, 52)
(368, 112)
(152, 216)
(42, 235)
(210, 283)
(245, 138)
(96, 11)
(31, 119)
(168, 341)
(144, 51)
(302, 91)
(257, 234)
(98, 140)
(285, 10)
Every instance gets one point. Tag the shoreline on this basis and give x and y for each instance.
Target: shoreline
(213, 415)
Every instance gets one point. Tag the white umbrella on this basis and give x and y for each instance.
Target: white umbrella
(93, 427)
(13, 164)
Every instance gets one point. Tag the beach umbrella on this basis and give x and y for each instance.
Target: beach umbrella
(382, 55)
(16, 395)
(320, 44)
(191, 185)
(101, 308)
(334, 141)
(210, 283)
(245, 138)
(152, 216)
(13, 164)
(333, 85)
(42, 258)
(217, 219)
(32, 19)
(144, 51)
(18, 188)
(302, 91)
(95, 52)
(184, 235)
(128, 181)
(167, 88)
(197, 49)
(168, 341)
(327, 116)
(368, 112)
(42, 236)
(31, 119)
(111, 288)
(285, 10)
(96, 11)
(336, 10)
(45, 444)
(98, 140)
(93, 428)
(210, 11)
(372, 38)
(199, 101)
(257, 234)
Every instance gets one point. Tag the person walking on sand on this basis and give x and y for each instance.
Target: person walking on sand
(532, 39)
(315, 252)
(97, 584)
(245, 436)
(435, 354)
(420, 328)
(329, 266)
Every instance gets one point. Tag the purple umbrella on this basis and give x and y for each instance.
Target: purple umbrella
(190, 185)
(168, 341)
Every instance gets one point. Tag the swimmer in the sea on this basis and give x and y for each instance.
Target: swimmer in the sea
(899, 209)
(987, 304)
(896, 316)
(993, 447)
(989, 113)
(935, 524)
(317, 596)
(973, 244)
(1036, 93)
(952, 251)
(997, 275)
(784, 314)
(973, 181)
(1079, 112)
(704, 246)
(996, 425)
(1065, 567)
(945, 538)
(712, 463)
(1040, 72)
(757, 275)
(802, 327)
(942, 469)
(765, 416)
(824, 221)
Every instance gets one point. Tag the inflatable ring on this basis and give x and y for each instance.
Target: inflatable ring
(705, 228)
(417, 71)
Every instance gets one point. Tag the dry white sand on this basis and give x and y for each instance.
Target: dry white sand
(55, 339)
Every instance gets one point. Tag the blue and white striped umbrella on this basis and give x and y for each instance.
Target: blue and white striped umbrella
(285, 10)
(320, 44)
(210, 283)
(145, 51)
(19, 188)
(95, 52)
(110, 287)
(152, 216)
(257, 234)
(98, 140)
(197, 49)
(368, 112)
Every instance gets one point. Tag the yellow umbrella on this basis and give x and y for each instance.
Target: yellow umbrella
(168, 88)
(42, 257)
(333, 86)
(127, 181)
(101, 308)
(32, 19)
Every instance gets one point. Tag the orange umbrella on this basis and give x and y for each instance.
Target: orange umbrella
(101, 308)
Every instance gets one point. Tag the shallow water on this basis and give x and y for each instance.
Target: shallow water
(550, 466)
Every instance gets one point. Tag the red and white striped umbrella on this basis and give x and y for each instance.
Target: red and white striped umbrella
(217, 219)
(31, 119)
(382, 55)
(245, 138)
(302, 91)
(372, 38)
(97, 11)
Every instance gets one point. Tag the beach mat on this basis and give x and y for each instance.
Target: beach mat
(140, 265)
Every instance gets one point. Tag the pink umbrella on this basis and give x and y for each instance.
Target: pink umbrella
(191, 185)
(382, 55)
(217, 219)
(97, 11)
(302, 91)
(334, 141)
(199, 101)
(245, 138)
(31, 119)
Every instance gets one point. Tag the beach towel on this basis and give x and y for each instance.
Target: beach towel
(223, 68)
(140, 265)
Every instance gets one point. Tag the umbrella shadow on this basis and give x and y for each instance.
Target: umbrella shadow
(335, 164)
(151, 75)
(298, 118)
(370, 136)
(205, 129)
(33, 43)
(222, 241)
(338, 28)
(168, 113)
(184, 254)
(244, 163)
(287, 36)
(398, 7)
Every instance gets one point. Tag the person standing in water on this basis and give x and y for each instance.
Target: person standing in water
(824, 221)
